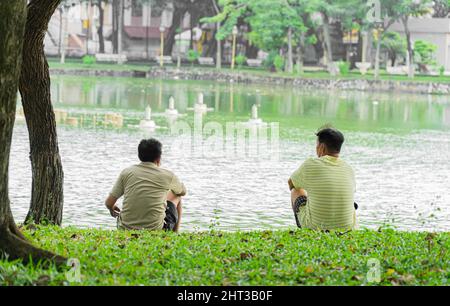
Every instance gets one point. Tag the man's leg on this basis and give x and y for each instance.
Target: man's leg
(295, 193)
(298, 198)
(176, 200)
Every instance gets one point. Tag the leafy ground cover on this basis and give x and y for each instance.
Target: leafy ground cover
(284, 257)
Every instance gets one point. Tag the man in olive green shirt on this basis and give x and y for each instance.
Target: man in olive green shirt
(152, 195)
(322, 189)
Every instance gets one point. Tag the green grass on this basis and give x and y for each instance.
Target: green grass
(286, 257)
(310, 72)
(72, 64)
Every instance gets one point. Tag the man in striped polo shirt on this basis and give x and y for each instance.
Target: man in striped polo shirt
(322, 189)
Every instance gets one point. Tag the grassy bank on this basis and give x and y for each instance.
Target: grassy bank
(299, 257)
(309, 72)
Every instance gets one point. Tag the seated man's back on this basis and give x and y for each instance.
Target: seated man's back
(322, 189)
(145, 187)
(330, 184)
(152, 195)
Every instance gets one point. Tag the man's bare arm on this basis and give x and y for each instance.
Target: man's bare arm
(291, 185)
(110, 203)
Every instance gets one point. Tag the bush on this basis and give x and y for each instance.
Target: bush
(441, 71)
(424, 52)
(268, 62)
(344, 68)
(274, 61)
(240, 60)
(394, 44)
(192, 55)
(88, 59)
(278, 63)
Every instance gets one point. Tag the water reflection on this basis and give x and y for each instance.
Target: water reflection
(382, 110)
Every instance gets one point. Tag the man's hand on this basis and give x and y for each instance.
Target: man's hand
(114, 211)
(110, 203)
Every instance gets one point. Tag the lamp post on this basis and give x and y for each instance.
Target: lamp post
(161, 56)
(233, 51)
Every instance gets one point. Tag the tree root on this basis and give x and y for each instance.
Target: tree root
(15, 246)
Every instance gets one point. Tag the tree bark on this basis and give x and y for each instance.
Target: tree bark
(169, 41)
(47, 174)
(377, 55)
(290, 61)
(13, 244)
(101, 38)
(410, 50)
(300, 48)
(115, 26)
(219, 50)
(218, 42)
(329, 49)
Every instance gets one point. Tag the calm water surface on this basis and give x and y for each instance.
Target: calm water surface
(398, 145)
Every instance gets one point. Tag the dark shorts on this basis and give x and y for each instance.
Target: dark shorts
(171, 218)
(301, 201)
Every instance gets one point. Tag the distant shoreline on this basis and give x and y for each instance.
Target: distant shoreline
(244, 77)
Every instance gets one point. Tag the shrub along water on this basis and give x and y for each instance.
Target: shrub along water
(286, 257)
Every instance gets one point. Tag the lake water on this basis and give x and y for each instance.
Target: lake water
(398, 145)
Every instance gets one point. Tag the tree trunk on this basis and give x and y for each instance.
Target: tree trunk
(377, 56)
(12, 22)
(393, 58)
(369, 47)
(218, 42)
(410, 51)
(169, 41)
(290, 61)
(327, 41)
(61, 11)
(219, 50)
(101, 38)
(47, 175)
(251, 50)
(300, 48)
(120, 28)
(115, 26)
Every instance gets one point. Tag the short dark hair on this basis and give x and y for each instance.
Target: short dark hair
(332, 138)
(149, 150)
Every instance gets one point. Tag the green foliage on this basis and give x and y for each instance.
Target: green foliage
(268, 61)
(278, 63)
(240, 60)
(344, 68)
(441, 71)
(424, 52)
(88, 60)
(394, 44)
(192, 55)
(269, 21)
(288, 257)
